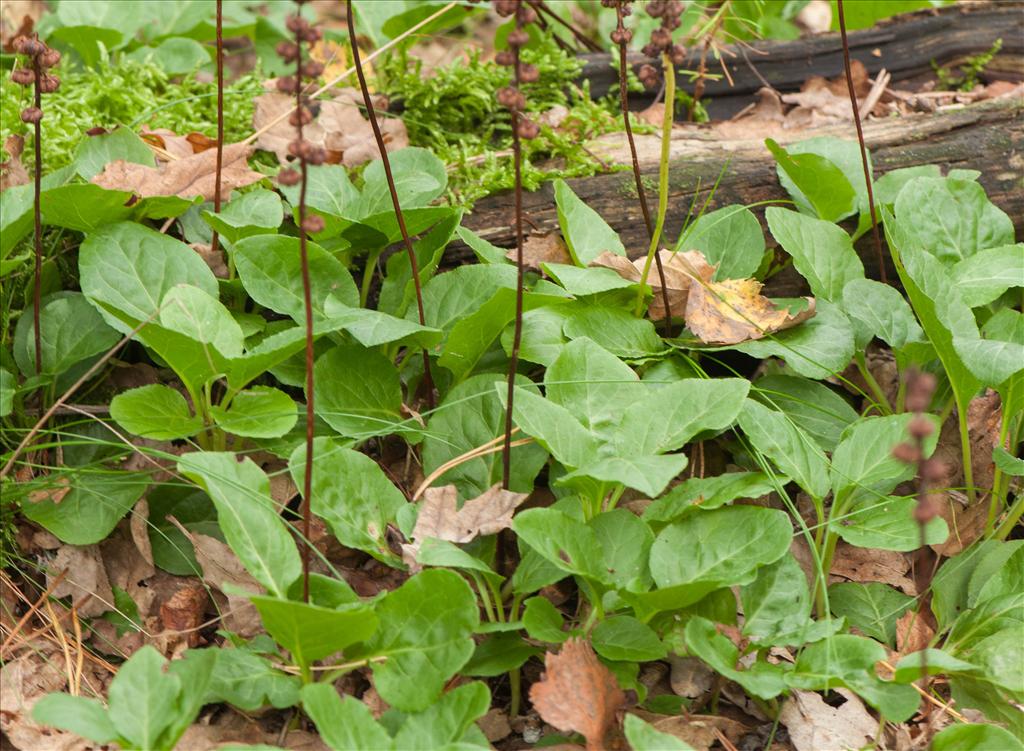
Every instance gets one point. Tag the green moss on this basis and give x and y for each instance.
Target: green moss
(126, 93)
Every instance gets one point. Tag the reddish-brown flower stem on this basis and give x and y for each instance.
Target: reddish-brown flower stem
(641, 193)
(37, 283)
(860, 140)
(215, 241)
(428, 381)
(517, 331)
(307, 302)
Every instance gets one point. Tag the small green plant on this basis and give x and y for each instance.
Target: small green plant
(969, 71)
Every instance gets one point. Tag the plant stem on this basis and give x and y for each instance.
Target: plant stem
(515, 686)
(307, 301)
(1014, 515)
(965, 452)
(876, 389)
(37, 284)
(428, 382)
(860, 140)
(367, 280)
(215, 240)
(666, 135)
(517, 332)
(641, 193)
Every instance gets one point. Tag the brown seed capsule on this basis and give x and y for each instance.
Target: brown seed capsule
(926, 509)
(920, 388)
(525, 14)
(528, 129)
(286, 84)
(302, 115)
(313, 223)
(933, 472)
(23, 76)
(28, 46)
(288, 177)
(661, 38)
(296, 24)
(518, 38)
(511, 97)
(287, 51)
(295, 148)
(50, 58)
(311, 35)
(622, 36)
(31, 115)
(648, 75)
(906, 452)
(505, 8)
(920, 427)
(312, 69)
(316, 155)
(677, 54)
(528, 73)
(49, 84)
(505, 57)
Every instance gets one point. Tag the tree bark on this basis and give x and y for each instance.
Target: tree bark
(987, 137)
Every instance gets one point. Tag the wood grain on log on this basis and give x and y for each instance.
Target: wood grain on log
(987, 136)
(904, 45)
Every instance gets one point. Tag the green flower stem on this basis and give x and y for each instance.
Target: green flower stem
(371, 264)
(1016, 511)
(965, 451)
(876, 389)
(998, 495)
(668, 70)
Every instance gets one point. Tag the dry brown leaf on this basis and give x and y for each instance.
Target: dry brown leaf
(763, 119)
(652, 115)
(139, 528)
(333, 56)
(169, 141)
(215, 260)
(578, 693)
(814, 725)
(966, 522)
(12, 171)
(440, 517)
(495, 725)
(690, 677)
(677, 277)
(545, 247)
(268, 108)
(184, 611)
(186, 178)
(869, 565)
(86, 576)
(221, 566)
(54, 493)
(912, 633)
(699, 730)
(23, 682)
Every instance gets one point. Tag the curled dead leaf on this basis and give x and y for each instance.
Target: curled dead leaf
(578, 693)
(186, 178)
(814, 725)
(546, 247)
(677, 278)
(184, 612)
(913, 633)
(12, 171)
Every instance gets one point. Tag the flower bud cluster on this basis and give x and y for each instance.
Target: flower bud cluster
(930, 471)
(42, 58)
(670, 12)
(304, 151)
(511, 97)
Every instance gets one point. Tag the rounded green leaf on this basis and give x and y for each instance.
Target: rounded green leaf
(71, 330)
(730, 238)
(202, 317)
(357, 392)
(92, 508)
(255, 213)
(976, 738)
(155, 411)
(258, 412)
(624, 638)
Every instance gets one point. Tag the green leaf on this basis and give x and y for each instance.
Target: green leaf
(1007, 463)
(202, 317)
(909, 668)
(821, 183)
(887, 524)
(777, 604)
(486, 252)
(76, 714)
(543, 621)
(258, 412)
(987, 274)
(446, 721)
(271, 351)
(85, 207)
(554, 427)
(821, 251)
(247, 516)
(8, 387)
(450, 297)
(844, 154)
(625, 544)
(343, 724)
(950, 584)
(776, 436)
(733, 543)
(310, 631)
(419, 178)
(624, 638)
(873, 608)
(255, 213)
(71, 330)
(863, 460)
(953, 219)
(761, 679)
(92, 508)
(155, 411)
(248, 681)
(176, 56)
(470, 416)
(425, 635)
(398, 291)
(352, 494)
(614, 329)
(818, 410)
(591, 280)
(876, 309)
(270, 270)
(563, 541)
(976, 738)
(143, 699)
(372, 328)
(96, 152)
(998, 574)
(707, 493)
(730, 238)
(889, 185)
(1000, 657)
(648, 474)
(542, 338)
(130, 268)
(643, 737)
(357, 392)
(818, 348)
(499, 654)
(586, 234)
(669, 417)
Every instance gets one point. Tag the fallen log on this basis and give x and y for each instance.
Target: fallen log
(986, 136)
(905, 45)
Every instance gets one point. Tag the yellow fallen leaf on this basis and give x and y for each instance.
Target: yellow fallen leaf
(333, 56)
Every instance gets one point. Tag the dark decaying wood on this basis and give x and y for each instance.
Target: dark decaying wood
(904, 45)
(987, 136)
